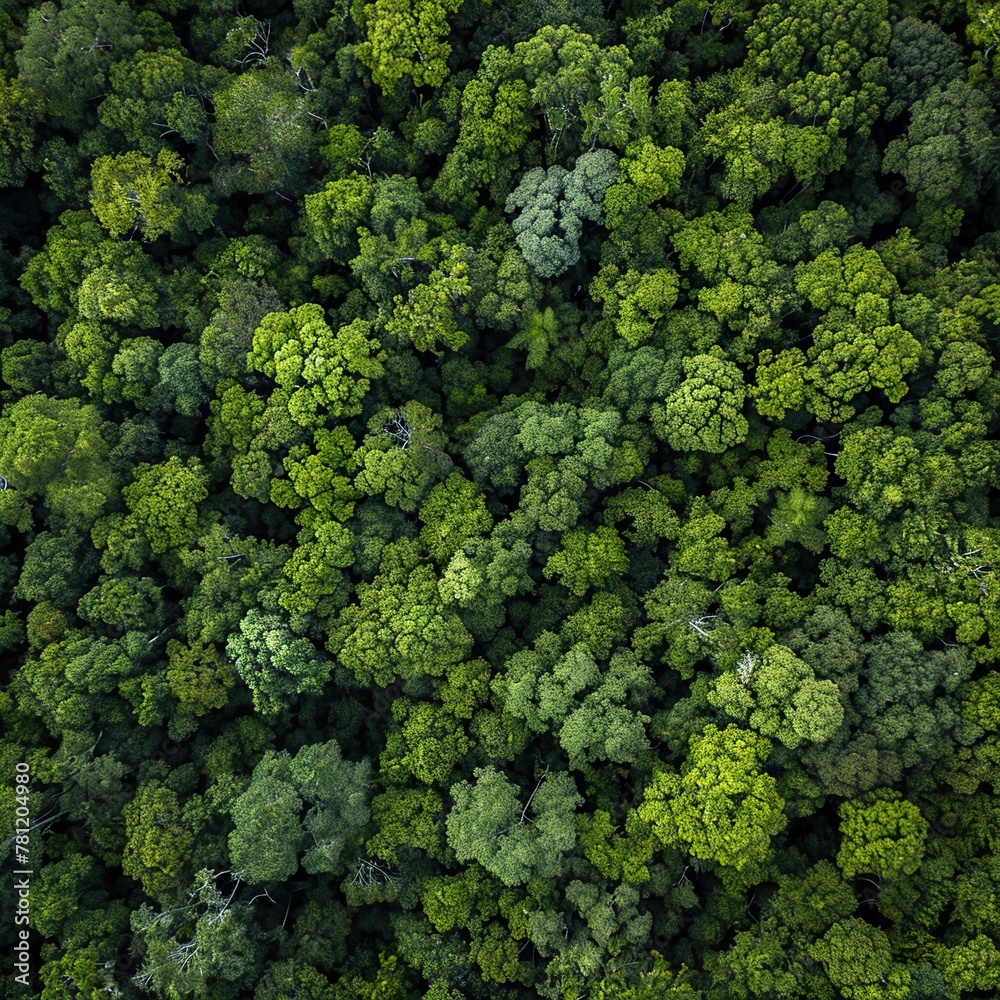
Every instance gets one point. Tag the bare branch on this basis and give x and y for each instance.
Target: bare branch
(524, 811)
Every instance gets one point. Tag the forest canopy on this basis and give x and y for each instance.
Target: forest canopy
(499, 499)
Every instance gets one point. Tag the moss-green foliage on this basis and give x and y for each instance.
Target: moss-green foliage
(499, 498)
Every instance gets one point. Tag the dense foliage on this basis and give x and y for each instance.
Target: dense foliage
(500, 498)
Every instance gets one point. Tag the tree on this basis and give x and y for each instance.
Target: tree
(618, 856)
(211, 939)
(90, 942)
(427, 314)
(505, 292)
(199, 676)
(397, 239)
(721, 807)
(184, 382)
(855, 346)
(319, 936)
(52, 277)
(56, 569)
(453, 513)
(158, 841)
(657, 980)
(586, 559)
(858, 959)
(983, 29)
(124, 604)
(262, 125)
(55, 448)
(569, 73)
(538, 335)
(752, 146)
(276, 663)
(635, 302)
(293, 978)
(827, 88)
(485, 572)
(228, 337)
(163, 503)
(921, 57)
(541, 685)
(400, 624)
(798, 517)
(401, 455)
(68, 50)
(554, 205)
(901, 699)
(489, 824)
(703, 413)
(407, 819)
(317, 474)
(314, 568)
(495, 456)
(652, 172)
(226, 574)
(338, 793)
(20, 109)
(780, 697)
(122, 285)
(323, 373)
(810, 902)
(135, 192)
(266, 838)
(406, 38)
(134, 371)
(650, 512)
(943, 163)
(970, 966)
(604, 728)
(494, 127)
(736, 279)
(882, 834)
(601, 923)
(155, 94)
(334, 214)
(429, 746)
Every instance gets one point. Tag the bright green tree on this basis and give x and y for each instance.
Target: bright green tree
(400, 625)
(721, 807)
(704, 413)
(587, 558)
(133, 192)
(883, 834)
(19, 112)
(54, 448)
(406, 38)
(427, 314)
(324, 372)
(158, 841)
(454, 512)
